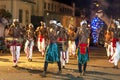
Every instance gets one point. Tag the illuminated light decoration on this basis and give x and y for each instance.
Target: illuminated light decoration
(96, 24)
(97, 5)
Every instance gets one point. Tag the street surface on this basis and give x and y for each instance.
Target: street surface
(98, 68)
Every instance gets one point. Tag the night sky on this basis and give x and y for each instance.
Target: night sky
(79, 3)
(88, 5)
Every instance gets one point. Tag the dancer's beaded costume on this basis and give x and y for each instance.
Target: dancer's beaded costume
(71, 40)
(15, 41)
(52, 48)
(82, 47)
(29, 44)
(62, 42)
(52, 52)
(41, 35)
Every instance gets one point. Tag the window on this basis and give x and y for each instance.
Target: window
(27, 16)
(20, 15)
(48, 6)
(45, 5)
(33, 11)
(52, 6)
(55, 7)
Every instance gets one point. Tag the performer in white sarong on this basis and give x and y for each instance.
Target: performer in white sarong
(117, 54)
(115, 46)
(62, 44)
(29, 44)
(15, 33)
(111, 39)
(71, 42)
(108, 43)
(41, 34)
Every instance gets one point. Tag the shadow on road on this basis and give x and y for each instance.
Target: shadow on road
(101, 74)
(4, 60)
(99, 66)
(54, 75)
(34, 71)
(63, 76)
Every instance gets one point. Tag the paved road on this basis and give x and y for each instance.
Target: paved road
(98, 68)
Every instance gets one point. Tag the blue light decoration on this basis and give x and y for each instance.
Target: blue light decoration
(96, 24)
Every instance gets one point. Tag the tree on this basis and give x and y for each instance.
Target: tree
(5, 14)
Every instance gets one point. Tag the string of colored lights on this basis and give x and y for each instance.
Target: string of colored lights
(96, 24)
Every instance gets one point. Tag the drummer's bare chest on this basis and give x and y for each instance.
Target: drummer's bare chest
(16, 31)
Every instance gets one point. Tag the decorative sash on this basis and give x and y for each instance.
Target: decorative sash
(14, 41)
(83, 47)
(41, 38)
(61, 39)
(114, 40)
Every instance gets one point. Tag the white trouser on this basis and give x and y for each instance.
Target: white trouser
(63, 58)
(29, 48)
(117, 54)
(15, 51)
(111, 53)
(41, 46)
(67, 56)
(71, 47)
(109, 49)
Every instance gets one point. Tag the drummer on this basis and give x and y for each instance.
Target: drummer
(15, 33)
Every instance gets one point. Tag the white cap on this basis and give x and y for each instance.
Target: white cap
(31, 25)
(117, 23)
(100, 11)
(118, 26)
(83, 22)
(15, 20)
(59, 24)
(53, 22)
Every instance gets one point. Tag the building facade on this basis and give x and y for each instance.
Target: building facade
(20, 9)
(39, 9)
(49, 9)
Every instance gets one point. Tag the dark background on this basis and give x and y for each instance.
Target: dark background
(79, 3)
(112, 9)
